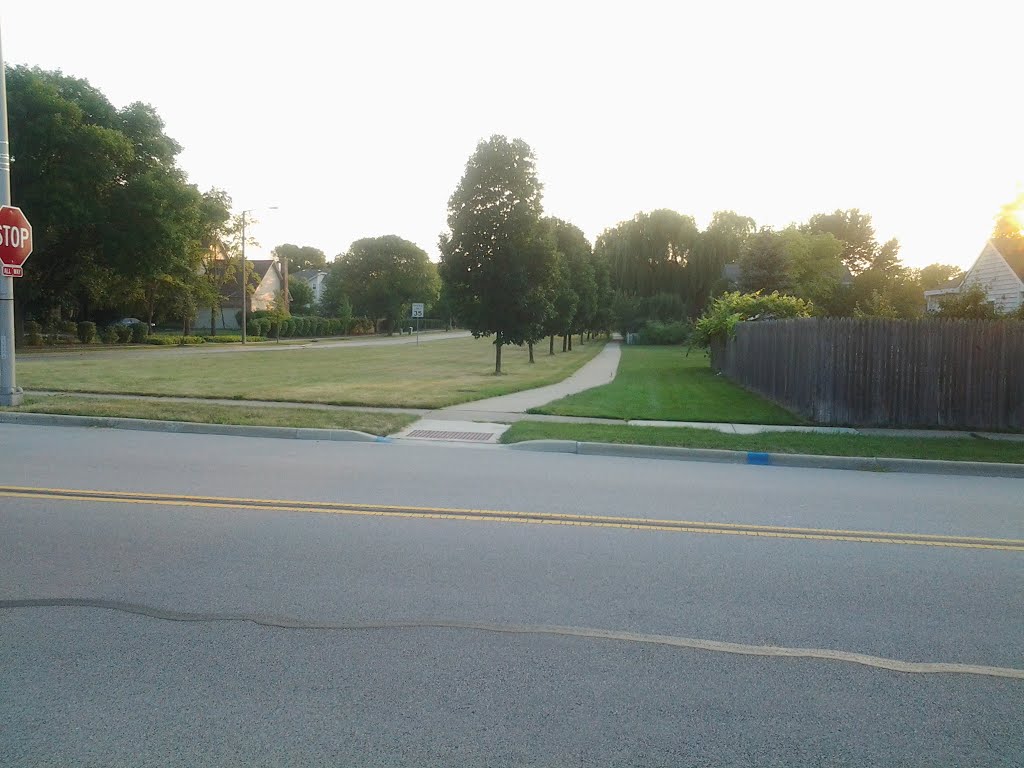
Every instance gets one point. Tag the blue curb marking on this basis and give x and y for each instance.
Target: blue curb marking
(382, 440)
(762, 459)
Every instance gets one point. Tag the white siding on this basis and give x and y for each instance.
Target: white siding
(1005, 290)
(266, 292)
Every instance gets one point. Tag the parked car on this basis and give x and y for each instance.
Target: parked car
(133, 321)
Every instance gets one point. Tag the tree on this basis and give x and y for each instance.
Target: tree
(382, 276)
(969, 304)
(302, 297)
(939, 276)
(1008, 233)
(578, 302)
(815, 266)
(856, 232)
(115, 221)
(719, 244)
(765, 265)
(301, 257)
(497, 258)
(650, 253)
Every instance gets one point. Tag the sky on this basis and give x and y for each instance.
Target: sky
(356, 119)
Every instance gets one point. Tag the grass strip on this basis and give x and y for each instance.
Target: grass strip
(429, 375)
(375, 423)
(665, 383)
(949, 449)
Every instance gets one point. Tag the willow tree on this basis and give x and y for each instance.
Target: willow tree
(498, 257)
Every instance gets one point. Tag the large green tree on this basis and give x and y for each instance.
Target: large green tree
(765, 265)
(301, 257)
(856, 232)
(382, 276)
(939, 276)
(497, 257)
(116, 224)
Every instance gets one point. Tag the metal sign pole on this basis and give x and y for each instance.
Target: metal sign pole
(10, 394)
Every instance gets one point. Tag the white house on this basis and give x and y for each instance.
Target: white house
(266, 281)
(1002, 279)
(314, 278)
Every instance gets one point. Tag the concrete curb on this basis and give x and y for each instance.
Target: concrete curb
(859, 463)
(189, 427)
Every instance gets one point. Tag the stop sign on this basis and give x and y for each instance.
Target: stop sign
(15, 236)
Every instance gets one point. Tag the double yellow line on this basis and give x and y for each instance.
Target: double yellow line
(501, 516)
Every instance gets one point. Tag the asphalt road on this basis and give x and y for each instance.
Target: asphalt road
(413, 640)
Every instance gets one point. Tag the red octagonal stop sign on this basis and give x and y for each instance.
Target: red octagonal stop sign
(15, 236)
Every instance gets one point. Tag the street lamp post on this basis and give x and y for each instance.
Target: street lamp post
(245, 297)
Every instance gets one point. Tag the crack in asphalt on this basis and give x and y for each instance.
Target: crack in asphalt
(283, 622)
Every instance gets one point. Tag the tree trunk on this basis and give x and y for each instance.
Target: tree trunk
(581, 338)
(565, 342)
(551, 345)
(213, 321)
(497, 357)
(570, 342)
(530, 346)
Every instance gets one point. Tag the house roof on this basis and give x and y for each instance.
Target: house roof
(260, 267)
(308, 274)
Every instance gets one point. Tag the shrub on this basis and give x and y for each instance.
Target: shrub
(165, 341)
(124, 333)
(68, 327)
(233, 338)
(139, 332)
(86, 332)
(31, 326)
(109, 334)
(665, 333)
(362, 326)
(718, 323)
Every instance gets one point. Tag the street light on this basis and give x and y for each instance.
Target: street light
(245, 302)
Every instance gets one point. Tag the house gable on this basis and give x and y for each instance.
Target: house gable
(1002, 284)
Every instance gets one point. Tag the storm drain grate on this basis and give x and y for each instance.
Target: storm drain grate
(440, 434)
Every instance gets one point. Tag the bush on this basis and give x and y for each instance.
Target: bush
(31, 326)
(68, 327)
(718, 323)
(139, 332)
(233, 338)
(86, 332)
(109, 334)
(167, 341)
(362, 326)
(665, 333)
(124, 333)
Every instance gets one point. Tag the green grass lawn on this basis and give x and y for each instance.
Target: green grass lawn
(665, 383)
(430, 375)
(952, 449)
(374, 422)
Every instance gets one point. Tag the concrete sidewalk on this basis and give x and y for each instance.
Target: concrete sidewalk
(599, 371)
(486, 420)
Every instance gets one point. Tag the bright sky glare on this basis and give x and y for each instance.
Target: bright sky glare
(356, 119)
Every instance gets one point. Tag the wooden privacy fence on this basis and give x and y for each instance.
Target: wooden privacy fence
(958, 374)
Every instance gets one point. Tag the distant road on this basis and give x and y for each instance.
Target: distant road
(378, 630)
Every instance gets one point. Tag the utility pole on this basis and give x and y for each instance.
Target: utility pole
(245, 297)
(245, 302)
(10, 393)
